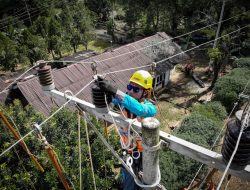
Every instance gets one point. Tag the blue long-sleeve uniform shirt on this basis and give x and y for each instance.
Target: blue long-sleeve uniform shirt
(144, 109)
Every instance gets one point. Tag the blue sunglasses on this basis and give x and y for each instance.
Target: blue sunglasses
(135, 88)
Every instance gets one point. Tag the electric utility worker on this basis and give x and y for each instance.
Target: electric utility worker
(135, 104)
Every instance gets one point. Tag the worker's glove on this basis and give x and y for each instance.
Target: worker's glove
(106, 86)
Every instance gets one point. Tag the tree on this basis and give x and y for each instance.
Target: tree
(216, 56)
(8, 53)
(202, 128)
(228, 87)
(100, 7)
(61, 132)
(36, 46)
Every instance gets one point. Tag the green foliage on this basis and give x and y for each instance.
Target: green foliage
(18, 171)
(214, 54)
(8, 53)
(177, 171)
(197, 127)
(228, 87)
(200, 128)
(242, 63)
(212, 110)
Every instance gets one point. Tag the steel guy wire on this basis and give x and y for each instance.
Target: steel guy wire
(59, 109)
(139, 49)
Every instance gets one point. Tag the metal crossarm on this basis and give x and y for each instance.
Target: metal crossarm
(176, 144)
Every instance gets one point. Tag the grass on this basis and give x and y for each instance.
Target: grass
(98, 45)
(169, 115)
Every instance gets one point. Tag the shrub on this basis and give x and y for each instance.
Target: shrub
(227, 88)
(198, 129)
(242, 63)
(213, 110)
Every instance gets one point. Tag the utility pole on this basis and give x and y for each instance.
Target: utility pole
(218, 29)
(151, 146)
(22, 143)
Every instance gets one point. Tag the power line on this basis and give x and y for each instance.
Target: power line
(40, 125)
(116, 72)
(16, 16)
(163, 60)
(22, 20)
(139, 49)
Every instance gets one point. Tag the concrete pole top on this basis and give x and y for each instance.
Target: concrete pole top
(150, 123)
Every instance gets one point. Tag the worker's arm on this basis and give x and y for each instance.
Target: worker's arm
(146, 109)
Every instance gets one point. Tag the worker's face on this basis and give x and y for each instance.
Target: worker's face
(135, 90)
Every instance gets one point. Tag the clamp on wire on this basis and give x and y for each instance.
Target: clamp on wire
(94, 67)
(68, 93)
(38, 130)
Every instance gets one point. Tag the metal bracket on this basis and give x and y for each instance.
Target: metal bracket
(165, 145)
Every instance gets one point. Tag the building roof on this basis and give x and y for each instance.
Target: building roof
(76, 76)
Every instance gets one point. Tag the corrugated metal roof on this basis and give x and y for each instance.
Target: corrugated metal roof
(76, 76)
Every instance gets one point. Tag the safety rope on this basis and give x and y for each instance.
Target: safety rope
(79, 148)
(128, 168)
(89, 149)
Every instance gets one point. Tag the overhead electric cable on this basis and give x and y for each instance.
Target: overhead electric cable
(16, 16)
(21, 20)
(40, 125)
(33, 67)
(177, 53)
(214, 143)
(122, 71)
(155, 44)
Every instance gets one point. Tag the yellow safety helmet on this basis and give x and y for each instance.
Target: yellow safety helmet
(142, 78)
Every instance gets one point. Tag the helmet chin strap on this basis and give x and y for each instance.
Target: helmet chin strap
(143, 95)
